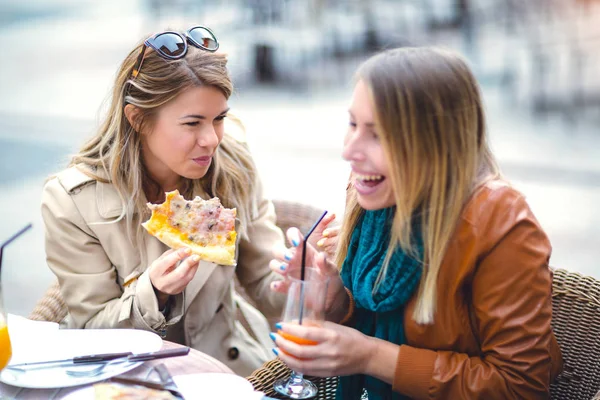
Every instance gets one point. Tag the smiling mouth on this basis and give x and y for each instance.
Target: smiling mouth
(369, 181)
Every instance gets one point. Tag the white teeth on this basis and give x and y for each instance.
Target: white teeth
(369, 177)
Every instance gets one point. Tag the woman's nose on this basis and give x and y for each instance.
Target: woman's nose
(352, 151)
(208, 137)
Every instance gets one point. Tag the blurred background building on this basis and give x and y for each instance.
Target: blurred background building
(292, 62)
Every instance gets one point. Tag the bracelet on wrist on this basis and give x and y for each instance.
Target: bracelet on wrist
(350, 308)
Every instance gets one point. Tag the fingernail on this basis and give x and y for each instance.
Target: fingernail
(321, 242)
(295, 242)
(283, 267)
(187, 251)
(287, 256)
(278, 325)
(272, 336)
(195, 258)
(325, 233)
(275, 351)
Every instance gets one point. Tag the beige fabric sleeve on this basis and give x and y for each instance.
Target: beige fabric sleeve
(87, 278)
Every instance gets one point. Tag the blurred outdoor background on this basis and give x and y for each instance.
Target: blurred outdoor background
(292, 63)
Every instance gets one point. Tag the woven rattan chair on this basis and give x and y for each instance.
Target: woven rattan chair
(51, 307)
(264, 378)
(576, 323)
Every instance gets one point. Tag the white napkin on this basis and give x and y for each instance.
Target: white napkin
(216, 386)
(20, 325)
(29, 338)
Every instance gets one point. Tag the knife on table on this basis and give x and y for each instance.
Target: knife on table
(155, 355)
(166, 381)
(164, 375)
(149, 384)
(88, 359)
(124, 357)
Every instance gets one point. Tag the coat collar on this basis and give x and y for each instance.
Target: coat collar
(108, 200)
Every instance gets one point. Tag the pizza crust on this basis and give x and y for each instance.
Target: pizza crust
(158, 226)
(217, 255)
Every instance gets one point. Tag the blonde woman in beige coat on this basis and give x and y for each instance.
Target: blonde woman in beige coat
(165, 129)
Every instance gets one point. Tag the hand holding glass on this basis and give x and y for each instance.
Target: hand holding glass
(305, 306)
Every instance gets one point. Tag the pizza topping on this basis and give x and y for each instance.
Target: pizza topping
(203, 225)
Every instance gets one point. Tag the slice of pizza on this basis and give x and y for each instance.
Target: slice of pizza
(205, 226)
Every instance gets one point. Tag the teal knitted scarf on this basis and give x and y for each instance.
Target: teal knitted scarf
(380, 313)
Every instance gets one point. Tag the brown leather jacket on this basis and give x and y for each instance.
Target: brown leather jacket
(491, 337)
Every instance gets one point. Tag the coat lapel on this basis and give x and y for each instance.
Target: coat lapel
(205, 270)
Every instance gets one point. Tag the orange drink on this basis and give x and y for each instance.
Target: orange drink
(296, 339)
(305, 306)
(5, 347)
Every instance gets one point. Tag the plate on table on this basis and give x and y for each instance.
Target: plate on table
(197, 386)
(67, 343)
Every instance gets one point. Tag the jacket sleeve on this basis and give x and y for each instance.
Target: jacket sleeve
(88, 280)
(256, 252)
(512, 311)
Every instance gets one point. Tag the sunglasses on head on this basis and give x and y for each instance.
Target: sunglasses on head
(173, 45)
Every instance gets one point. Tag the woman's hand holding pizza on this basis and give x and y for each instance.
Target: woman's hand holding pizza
(167, 277)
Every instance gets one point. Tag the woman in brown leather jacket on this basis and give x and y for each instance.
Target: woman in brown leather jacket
(444, 290)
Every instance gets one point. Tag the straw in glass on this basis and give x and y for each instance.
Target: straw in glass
(303, 265)
(10, 239)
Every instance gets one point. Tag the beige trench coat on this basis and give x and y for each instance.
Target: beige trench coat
(105, 283)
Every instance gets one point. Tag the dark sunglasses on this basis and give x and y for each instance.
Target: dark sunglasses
(173, 45)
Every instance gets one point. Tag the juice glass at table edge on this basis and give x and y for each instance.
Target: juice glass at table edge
(5, 346)
(305, 305)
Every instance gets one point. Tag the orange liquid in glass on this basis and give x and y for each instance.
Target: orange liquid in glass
(296, 339)
(5, 348)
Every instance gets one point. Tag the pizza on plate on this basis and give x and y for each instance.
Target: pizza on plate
(205, 226)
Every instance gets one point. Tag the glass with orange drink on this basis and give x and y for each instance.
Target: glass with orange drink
(305, 305)
(5, 347)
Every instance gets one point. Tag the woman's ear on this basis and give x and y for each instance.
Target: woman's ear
(132, 113)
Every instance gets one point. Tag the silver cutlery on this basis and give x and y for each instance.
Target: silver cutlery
(166, 381)
(166, 378)
(181, 351)
(148, 384)
(88, 359)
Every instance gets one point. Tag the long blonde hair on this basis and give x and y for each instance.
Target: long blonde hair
(429, 115)
(115, 150)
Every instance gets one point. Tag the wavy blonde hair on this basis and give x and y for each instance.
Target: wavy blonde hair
(429, 115)
(116, 147)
